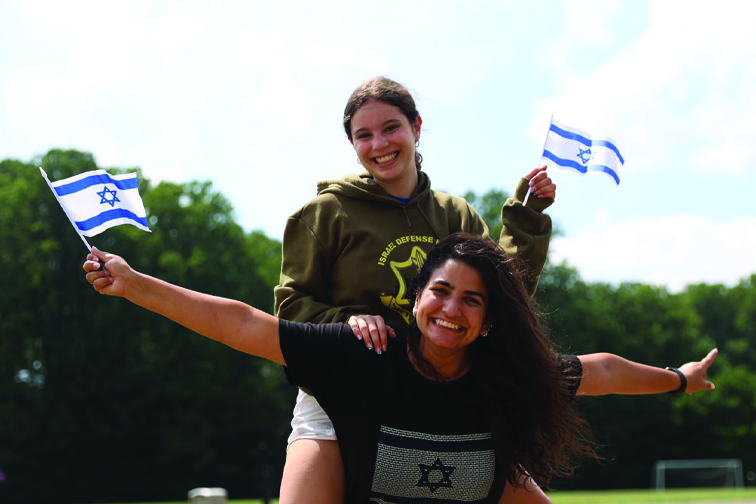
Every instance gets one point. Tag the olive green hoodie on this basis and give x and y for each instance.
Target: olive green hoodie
(353, 249)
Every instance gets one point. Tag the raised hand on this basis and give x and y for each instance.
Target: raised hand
(696, 371)
(541, 184)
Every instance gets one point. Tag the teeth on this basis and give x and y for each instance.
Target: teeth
(444, 323)
(386, 159)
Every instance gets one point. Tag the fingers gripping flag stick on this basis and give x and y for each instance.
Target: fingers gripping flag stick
(95, 201)
(568, 147)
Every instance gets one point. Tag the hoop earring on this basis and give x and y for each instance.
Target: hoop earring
(484, 332)
(359, 162)
(417, 144)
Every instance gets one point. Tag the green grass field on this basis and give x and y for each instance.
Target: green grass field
(622, 497)
(642, 496)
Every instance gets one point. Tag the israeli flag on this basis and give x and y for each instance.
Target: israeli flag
(95, 201)
(568, 147)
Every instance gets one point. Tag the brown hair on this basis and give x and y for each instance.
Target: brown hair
(387, 91)
(527, 387)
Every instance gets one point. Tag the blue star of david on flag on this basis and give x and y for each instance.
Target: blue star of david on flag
(83, 203)
(596, 154)
(584, 155)
(103, 199)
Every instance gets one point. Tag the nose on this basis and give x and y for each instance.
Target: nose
(379, 142)
(451, 307)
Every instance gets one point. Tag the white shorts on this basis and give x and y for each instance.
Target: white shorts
(310, 421)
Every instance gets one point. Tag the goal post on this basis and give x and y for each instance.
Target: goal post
(710, 473)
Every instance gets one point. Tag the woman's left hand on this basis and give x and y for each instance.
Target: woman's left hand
(541, 184)
(695, 372)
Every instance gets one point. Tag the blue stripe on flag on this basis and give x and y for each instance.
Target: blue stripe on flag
(79, 185)
(108, 215)
(579, 167)
(585, 141)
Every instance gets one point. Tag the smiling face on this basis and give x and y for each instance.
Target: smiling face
(451, 309)
(385, 141)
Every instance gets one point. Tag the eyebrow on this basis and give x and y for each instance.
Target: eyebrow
(384, 123)
(469, 292)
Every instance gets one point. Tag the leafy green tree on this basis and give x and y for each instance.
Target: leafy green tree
(105, 399)
(648, 324)
(488, 205)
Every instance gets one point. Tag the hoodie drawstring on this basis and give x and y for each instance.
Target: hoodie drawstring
(406, 216)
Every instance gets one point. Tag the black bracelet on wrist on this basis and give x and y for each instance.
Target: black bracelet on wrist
(683, 381)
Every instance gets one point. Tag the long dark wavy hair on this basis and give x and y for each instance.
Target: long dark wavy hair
(525, 383)
(387, 91)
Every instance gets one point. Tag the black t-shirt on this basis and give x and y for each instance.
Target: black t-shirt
(403, 438)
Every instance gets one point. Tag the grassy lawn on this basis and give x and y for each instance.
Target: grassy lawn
(643, 496)
(619, 497)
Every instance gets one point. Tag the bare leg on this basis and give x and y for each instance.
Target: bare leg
(313, 473)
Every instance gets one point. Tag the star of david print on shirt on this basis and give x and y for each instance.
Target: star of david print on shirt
(419, 467)
(405, 271)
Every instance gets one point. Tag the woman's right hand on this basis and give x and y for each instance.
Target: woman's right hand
(372, 330)
(541, 184)
(112, 278)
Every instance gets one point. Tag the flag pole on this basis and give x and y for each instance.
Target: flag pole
(525, 202)
(64, 209)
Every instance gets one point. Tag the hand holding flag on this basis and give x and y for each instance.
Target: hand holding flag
(540, 183)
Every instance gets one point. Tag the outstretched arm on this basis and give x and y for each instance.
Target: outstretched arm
(230, 322)
(605, 373)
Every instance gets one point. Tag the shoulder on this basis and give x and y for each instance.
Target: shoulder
(304, 343)
(353, 193)
(460, 214)
(446, 199)
(309, 339)
(292, 331)
(453, 203)
(323, 217)
(326, 204)
(320, 356)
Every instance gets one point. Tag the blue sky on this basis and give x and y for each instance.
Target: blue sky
(250, 95)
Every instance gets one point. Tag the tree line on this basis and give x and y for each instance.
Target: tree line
(101, 401)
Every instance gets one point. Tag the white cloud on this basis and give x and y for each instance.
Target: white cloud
(587, 21)
(682, 94)
(674, 250)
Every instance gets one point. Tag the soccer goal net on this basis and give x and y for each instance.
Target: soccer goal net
(726, 473)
